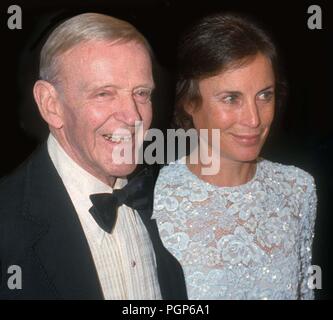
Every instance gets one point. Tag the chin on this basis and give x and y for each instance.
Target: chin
(248, 157)
(121, 170)
(245, 155)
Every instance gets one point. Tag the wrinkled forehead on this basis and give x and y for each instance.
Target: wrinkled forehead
(106, 60)
(115, 50)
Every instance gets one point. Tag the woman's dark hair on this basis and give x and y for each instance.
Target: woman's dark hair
(214, 44)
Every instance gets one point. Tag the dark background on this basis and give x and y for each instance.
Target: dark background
(302, 134)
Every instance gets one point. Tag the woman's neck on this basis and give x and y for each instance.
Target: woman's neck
(231, 173)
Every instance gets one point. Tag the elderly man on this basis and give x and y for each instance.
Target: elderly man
(69, 219)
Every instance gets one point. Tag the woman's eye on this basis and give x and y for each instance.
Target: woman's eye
(266, 96)
(230, 99)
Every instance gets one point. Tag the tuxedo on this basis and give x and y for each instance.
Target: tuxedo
(41, 232)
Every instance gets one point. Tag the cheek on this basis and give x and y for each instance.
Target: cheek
(267, 116)
(214, 116)
(201, 117)
(225, 119)
(95, 117)
(72, 122)
(84, 124)
(92, 118)
(221, 118)
(146, 114)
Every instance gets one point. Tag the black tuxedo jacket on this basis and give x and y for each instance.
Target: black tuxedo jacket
(40, 232)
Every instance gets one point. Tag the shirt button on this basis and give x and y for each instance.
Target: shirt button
(133, 263)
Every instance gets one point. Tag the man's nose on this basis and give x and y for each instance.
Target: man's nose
(128, 110)
(250, 114)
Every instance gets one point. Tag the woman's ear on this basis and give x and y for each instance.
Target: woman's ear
(47, 99)
(190, 107)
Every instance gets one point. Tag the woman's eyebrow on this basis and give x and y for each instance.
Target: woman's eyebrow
(267, 88)
(235, 92)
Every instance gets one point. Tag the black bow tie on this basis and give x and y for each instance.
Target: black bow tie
(137, 194)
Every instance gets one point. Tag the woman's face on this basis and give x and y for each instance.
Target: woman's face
(240, 103)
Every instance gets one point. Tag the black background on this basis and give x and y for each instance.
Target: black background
(301, 136)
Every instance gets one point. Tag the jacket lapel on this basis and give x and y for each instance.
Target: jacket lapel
(61, 247)
(169, 271)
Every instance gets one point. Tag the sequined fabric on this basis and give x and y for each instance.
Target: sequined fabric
(252, 241)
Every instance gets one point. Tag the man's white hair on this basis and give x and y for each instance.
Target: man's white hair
(83, 28)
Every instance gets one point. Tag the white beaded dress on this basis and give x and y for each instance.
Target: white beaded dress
(251, 241)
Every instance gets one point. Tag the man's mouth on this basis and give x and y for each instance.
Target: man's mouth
(117, 138)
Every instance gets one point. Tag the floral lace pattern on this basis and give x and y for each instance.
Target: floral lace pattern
(247, 242)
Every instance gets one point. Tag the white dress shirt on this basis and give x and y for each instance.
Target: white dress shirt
(125, 259)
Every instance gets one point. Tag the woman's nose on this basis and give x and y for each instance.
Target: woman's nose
(251, 117)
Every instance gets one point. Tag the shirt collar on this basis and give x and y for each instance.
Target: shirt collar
(80, 184)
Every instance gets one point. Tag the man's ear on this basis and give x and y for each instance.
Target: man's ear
(48, 103)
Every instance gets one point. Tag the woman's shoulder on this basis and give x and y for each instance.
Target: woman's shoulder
(282, 173)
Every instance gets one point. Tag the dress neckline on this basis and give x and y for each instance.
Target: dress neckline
(223, 188)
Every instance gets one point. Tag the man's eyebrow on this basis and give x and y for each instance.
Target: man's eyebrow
(91, 88)
(106, 86)
(145, 85)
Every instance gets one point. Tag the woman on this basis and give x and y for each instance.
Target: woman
(245, 232)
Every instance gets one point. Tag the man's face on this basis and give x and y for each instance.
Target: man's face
(104, 88)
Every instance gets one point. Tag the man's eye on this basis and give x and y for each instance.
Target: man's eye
(142, 96)
(105, 95)
(266, 96)
(102, 94)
